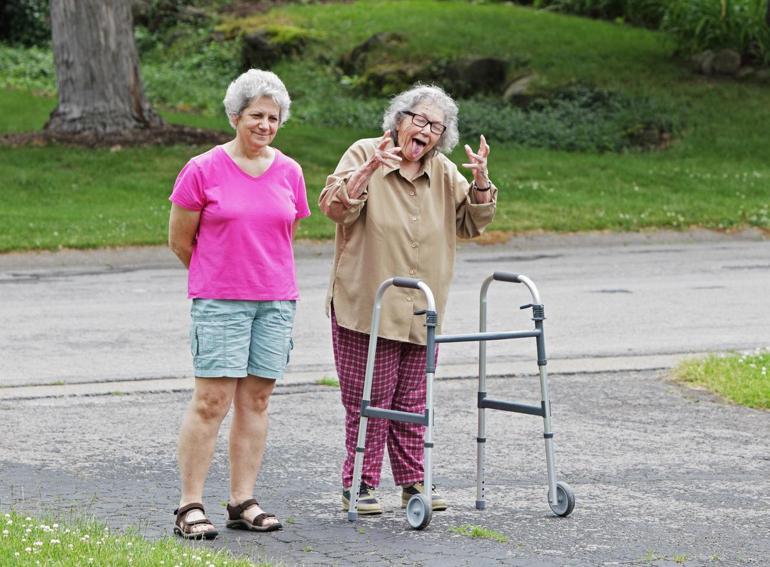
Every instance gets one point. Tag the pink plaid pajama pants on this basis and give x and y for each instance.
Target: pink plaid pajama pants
(399, 384)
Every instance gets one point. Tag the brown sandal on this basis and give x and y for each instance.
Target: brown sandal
(183, 528)
(237, 522)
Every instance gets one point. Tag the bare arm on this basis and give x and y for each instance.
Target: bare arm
(182, 228)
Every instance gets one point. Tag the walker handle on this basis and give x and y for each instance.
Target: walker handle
(406, 282)
(506, 277)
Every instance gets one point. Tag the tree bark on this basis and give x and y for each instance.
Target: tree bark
(97, 69)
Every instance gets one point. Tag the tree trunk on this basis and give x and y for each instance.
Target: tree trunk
(97, 69)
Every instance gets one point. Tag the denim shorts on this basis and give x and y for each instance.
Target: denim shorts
(232, 339)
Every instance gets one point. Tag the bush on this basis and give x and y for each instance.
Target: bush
(192, 74)
(647, 13)
(25, 22)
(29, 69)
(698, 25)
(578, 118)
(159, 16)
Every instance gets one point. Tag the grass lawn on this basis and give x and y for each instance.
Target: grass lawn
(28, 541)
(740, 378)
(715, 175)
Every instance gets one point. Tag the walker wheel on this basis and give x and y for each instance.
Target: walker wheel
(565, 500)
(418, 511)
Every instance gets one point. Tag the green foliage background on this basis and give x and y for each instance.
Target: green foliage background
(563, 164)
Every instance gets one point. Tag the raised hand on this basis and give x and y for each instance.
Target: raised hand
(478, 163)
(383, 155)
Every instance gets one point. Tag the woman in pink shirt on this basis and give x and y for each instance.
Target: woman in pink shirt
(234, 212)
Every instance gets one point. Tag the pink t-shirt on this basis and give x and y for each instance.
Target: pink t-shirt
(243, 249)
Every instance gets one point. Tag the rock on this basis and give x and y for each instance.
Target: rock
(746, 72)
(357, 60)
(703, 62)
(263, 47)
(763, 75)
(518, 92)
(474, 75)
(388, 79)
(727, 62)
(257, 52)
(376, 71)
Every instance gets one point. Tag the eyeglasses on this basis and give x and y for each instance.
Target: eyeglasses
(420, 121)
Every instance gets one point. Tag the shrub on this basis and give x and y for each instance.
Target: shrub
(161, 15)
(698, 25)
(29, 68)
(25, 22)
(187, 78)
(577, 118)
(647, 13)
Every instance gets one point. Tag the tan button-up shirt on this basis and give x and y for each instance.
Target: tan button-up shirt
(397, 227)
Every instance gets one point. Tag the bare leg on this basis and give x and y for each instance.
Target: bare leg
(248, 435)
(211, 400)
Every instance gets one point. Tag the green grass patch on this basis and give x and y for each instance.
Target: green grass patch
(741, 378)
(479, 532)
(64, 197)
(714, 174)
(83, 198)
(328, 381)
(26, 541)
(553, 44)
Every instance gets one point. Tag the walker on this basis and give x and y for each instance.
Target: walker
(561, 498)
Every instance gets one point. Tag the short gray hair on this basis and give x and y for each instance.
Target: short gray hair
(407, 100)
(252, 84)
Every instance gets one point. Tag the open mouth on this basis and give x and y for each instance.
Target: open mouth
(416, 148)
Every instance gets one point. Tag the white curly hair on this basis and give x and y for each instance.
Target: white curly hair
(407, 100)
(252, 84)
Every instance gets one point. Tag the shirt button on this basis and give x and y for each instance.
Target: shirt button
(414, 245)
(412, 271)
(412, 193)
(414, 219)
(409, 299)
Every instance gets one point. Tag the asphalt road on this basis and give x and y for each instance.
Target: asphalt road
(612, 302)
(663, 475)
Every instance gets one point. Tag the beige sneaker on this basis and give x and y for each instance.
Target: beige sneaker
(367, 504)
(437, 502)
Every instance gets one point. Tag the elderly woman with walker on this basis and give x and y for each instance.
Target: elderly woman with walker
(235, 209)
(399, 204)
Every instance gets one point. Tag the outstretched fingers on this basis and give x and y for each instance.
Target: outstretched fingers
(387, 156)
(483, 146)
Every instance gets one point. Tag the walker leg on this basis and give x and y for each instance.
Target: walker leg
(358, 465)
(550, 460)
(481, 438)
(480, 446)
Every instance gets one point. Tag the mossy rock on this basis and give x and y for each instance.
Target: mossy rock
(264, 47)
(377, 67)
(376, 49)
(388, 79)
